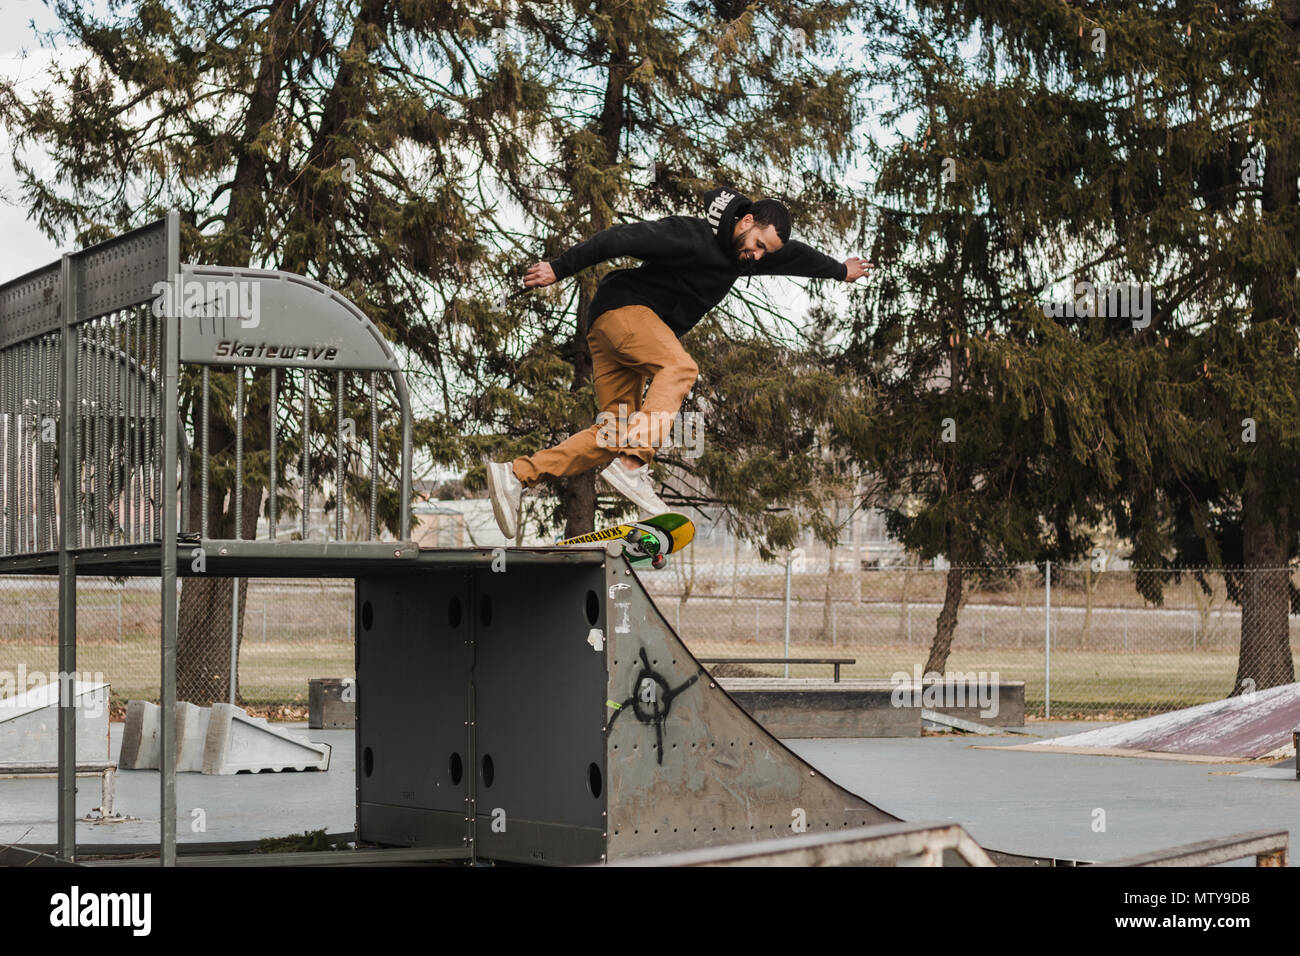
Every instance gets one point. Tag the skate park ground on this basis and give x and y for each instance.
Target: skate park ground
(1043, 804)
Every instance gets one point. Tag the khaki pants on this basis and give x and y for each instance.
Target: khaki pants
(628, 345)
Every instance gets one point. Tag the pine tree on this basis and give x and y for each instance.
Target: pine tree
(1111, 145)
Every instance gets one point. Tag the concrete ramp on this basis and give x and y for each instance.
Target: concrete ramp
(237, 743)
(553, 700)
(221, 739)
(191, 736)
(1254, 726)
(29, 723)
(140, 735)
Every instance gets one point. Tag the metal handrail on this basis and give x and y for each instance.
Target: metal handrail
(898, 844)
(837, 661)
(1268, 847)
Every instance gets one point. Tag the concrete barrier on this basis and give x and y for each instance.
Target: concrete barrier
(238, 743)
(140, 737)
(191, 736)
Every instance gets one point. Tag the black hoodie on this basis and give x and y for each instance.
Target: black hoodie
(689, 263)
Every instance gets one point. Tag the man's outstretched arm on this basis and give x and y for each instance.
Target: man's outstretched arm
(796, 258)
(661, 239)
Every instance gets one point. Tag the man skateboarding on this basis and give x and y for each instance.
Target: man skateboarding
(689, 264)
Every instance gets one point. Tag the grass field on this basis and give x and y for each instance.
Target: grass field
(1083, 682)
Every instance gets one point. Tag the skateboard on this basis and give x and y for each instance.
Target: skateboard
(649, 539)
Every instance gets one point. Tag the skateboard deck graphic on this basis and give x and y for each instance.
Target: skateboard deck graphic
(649, 539)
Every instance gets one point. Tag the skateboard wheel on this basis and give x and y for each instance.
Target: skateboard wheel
(658, 561)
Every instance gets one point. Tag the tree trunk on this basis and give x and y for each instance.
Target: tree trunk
(578, 496)
(828, 608)
(903, 635)
(1089, 585)
(855, 548)
(203, 617)
(578, 493)
(1267, 526)
(947, 623)
(203, 639)
(203, 651)
(735, 584)
(1265, 657)
(250, 168)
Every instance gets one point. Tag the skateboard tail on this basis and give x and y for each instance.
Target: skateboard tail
(682, 535)
(675, 531)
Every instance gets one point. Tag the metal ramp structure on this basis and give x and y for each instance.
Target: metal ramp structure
(533, 706)
(97, 459)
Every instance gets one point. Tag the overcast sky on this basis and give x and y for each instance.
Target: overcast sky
(22, 245)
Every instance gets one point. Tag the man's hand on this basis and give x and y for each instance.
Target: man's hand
(539, 274)
(857, 268)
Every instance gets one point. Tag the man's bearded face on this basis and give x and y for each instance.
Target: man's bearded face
(750, 242)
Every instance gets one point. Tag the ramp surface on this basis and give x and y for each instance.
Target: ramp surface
(536, 707)
(237, 743)
(688, 767)
(1250, 727)
(29, 723)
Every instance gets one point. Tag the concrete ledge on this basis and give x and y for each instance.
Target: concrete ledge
(886, 844)
(989, 703)
(870, 707)
(820, 707)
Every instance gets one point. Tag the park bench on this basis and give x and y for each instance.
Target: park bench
(836, 661)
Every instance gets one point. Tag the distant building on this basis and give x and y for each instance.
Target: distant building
(437, 526)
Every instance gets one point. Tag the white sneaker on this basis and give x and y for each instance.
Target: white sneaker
(636, 485)
(505, 490)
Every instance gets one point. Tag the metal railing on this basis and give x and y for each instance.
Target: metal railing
(887, 844)
(1268, 847)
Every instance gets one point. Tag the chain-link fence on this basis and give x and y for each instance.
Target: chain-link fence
(1113, 651)
(292, 630)
(1122, 642)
